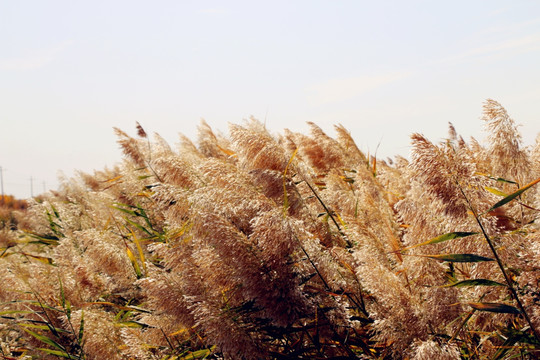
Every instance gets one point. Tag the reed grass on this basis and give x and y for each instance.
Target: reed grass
(291, 246)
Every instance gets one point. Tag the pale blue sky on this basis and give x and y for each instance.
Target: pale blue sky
(71, 70)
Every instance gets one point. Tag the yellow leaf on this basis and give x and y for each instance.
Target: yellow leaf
(227, 151)
(495, 191)
(115, 178)
(134, 262)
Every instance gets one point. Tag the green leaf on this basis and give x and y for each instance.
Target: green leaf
(7, 312)
(142, 213)
(43, 238)
(495, 307)
(475, 282)
(44, 327)
(500, 179)
(199, 354)
(513, 336)
(513, 195)
(43, 259)
(55, 211)
(127, 211)
(136, 308)
(66, 305)
(463, 323)
(459, 257)
(131, 324)
(62, 295)
(46, 340)
(444, 237)
(57, 353)
(81, 328)
(511, 340)
(54, 226)
(138, 226)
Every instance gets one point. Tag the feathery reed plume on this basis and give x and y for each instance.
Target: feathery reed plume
(257, 150)
(295, 246)
(508, 159)
(436, 170)
(212, 145)
(535, 158)
(130, 147)
(140, 130)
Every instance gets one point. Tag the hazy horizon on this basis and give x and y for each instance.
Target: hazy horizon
(71, 71)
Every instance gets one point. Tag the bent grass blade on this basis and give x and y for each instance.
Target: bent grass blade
(495, 307)
(459, 257)
(513, 195)
(474, 282)
(442, 238)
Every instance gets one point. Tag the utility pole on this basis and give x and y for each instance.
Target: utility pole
(2, 181)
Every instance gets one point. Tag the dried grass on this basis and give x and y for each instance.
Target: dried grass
(296, 246)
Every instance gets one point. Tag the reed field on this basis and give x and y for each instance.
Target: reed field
(292, 246)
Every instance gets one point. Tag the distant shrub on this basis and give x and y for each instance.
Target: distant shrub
(9, 205)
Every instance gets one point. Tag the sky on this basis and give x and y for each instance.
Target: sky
(70, 71)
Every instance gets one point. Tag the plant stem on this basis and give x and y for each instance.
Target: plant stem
(349, 243)
(501, 265)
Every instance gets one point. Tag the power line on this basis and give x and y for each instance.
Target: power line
(19, 187)
(2, 180)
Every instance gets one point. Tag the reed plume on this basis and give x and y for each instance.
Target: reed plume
(290, 246)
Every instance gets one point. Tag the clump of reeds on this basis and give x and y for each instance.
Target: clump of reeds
(296, 246)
